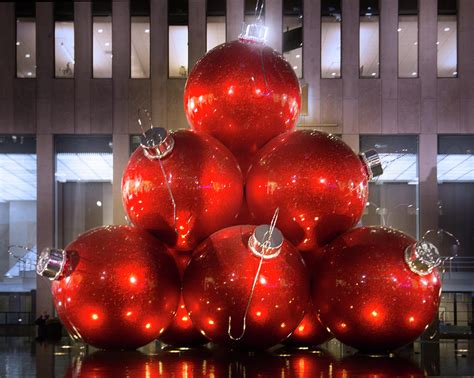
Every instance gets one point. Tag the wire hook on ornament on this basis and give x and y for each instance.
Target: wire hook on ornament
(263, 252)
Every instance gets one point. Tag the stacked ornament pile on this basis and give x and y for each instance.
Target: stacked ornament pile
(243, 230)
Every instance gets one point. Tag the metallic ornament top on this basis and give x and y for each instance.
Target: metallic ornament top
(51, 263)
(422, 257)
(373, 163)
(266, 243)
(254, 32)
(243, 93)
(157, 143)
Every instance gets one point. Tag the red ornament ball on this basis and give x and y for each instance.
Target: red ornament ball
(310, 331)
(218, 284)
(181, 332)
(244, 93)
(367, 294)
(114, 287)
(317, 181)
(205, 181)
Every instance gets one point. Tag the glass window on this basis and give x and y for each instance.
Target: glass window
(140, 39)
(215, 24)
(17, 213)
(369, 39)
(253, 10)
(102, 39)
(393, 196)
(331, 18)
(293, 34)
(84, 171)
(456, 188)
(408, 38)
(447, 39)
(25, 39)
(64, 39)
(178, 38)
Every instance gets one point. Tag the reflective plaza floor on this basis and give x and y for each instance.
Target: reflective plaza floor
(24, 357)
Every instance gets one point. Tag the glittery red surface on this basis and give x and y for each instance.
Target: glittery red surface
(244, 94)
(217, 285)
(366, 294)
(120, 289)
(316, 180)
(206, 183)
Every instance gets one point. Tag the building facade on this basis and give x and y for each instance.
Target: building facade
(414, 118)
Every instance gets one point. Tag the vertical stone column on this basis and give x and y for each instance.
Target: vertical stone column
(350, 65)
(121, 152)
(159, 61)
(428, 34)
(312, 59)
(465, 63)
(7, 65)
(45, 213)
(197, 31)
(82, 66)
(274, 22)
(234, 18)
(389, 64)
(120, 64)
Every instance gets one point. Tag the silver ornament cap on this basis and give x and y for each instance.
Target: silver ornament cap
(51, 263)
(422, 257)
(264, 244)
(254, 32)
(157, 143)
(372, 161)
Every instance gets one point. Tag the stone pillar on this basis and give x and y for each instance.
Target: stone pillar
(45, 213)
(274, 22)
(121, 153)
(159, 61)
(234, 18)
(197, 31)
(312, 59)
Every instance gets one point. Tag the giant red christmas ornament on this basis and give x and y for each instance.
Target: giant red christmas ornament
(219, 280)
(114, 287)
(376, 288)
(317, 181)
(201, 194)
(243, 93)
(310, 331)
(181, 331)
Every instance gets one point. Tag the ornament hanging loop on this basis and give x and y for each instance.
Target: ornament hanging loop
(268, 241)
(144, 114)
(157, 143)
(11, 249)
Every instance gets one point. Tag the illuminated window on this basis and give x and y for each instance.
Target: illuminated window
(102, 39)
(447, 39)
(25, 39)
(178, 38)
(17, 212)
(407, 38)
(64, 39)
(369, 39)
(293, 34)
(456, 188)
(393, 199)
(331, 18)
(215, 27)
(140, 39)
(84, 171)
(251, 14)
